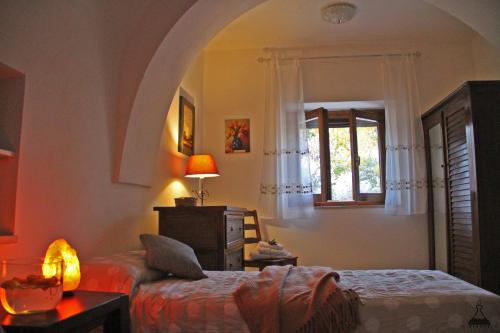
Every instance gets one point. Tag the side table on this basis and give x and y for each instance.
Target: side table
(82, 312)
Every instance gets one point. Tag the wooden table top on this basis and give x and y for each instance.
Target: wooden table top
(69, 308)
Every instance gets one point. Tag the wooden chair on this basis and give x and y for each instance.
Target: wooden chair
(261, 263)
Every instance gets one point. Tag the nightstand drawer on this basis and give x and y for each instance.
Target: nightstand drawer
(195, 230)
(234, 229)
(214, 232)
(234, 260)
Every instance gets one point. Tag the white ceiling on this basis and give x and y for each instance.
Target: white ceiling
(286, 23)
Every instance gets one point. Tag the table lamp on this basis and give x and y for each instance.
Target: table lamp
(201, 166)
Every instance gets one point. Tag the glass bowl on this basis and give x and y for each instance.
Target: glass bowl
(30, 285)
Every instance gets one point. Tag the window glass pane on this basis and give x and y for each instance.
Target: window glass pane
(314, 160)
(369, 156)
(340, 163)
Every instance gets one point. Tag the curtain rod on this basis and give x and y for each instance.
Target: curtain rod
(417, 54)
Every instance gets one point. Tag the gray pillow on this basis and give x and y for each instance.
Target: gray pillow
(168, 255)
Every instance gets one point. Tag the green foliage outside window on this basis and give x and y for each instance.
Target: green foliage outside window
(341, 162)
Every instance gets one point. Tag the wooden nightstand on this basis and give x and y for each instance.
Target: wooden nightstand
(214, 232)
(82, 312)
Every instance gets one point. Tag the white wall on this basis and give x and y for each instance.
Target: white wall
(440, 69)
(169, 181)
(164, 72)
(189, 35)
(486, 59)
(480, 15)
(70, 53)
(338, 237)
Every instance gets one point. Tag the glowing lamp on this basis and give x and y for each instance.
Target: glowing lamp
(61, 249)
(201, 166)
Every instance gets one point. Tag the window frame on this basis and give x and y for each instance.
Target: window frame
(359, 199)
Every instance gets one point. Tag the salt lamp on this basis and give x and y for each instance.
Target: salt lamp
(60, 248)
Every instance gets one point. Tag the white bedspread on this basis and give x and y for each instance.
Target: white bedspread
(393, 301)
(418, 301)
(177, 305)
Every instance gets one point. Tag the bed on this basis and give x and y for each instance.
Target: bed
(391, 300)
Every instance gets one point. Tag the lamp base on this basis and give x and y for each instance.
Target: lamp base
(202, 194)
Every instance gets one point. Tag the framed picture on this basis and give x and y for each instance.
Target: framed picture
(186, 127)
(237, 136)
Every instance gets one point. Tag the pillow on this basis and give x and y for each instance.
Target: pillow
(168, 255)
(122, 272)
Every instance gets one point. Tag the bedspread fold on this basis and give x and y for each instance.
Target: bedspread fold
(297, 299)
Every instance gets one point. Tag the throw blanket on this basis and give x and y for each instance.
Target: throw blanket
(297, 299)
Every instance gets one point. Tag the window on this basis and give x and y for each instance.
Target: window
(347, 156)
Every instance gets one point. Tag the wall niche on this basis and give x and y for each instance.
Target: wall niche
(12, 83)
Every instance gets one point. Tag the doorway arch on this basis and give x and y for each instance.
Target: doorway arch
(137, 145)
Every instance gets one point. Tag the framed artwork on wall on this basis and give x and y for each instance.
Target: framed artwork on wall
(186, 127)
(237, 133)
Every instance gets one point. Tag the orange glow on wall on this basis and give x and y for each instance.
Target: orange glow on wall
(60, 248)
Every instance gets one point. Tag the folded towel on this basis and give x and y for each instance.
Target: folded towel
(271, 252)
(258, 256)
(269, 246)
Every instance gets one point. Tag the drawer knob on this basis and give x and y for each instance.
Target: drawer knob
(231, 228)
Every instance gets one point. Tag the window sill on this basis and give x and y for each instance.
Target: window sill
(348, 204)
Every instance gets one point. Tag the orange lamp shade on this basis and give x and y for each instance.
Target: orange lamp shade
(71, 275)
(201, 166)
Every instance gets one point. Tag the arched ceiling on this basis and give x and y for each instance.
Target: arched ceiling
(285, 23)
(483, 16)
(137, 146)
(158, 18)
(139, 140)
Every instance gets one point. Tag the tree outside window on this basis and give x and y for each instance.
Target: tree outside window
(347, 156)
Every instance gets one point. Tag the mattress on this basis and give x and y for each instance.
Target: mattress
(178, 305)
(392, 300)
(419, 301)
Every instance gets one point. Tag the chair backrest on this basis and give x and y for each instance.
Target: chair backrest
(252, 226)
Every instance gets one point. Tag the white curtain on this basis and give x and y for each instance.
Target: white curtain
(406, 192)
(286, 190)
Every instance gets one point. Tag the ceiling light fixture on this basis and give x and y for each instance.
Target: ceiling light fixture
(338, 13)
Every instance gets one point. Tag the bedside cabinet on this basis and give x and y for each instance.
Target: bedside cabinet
(216, 233)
